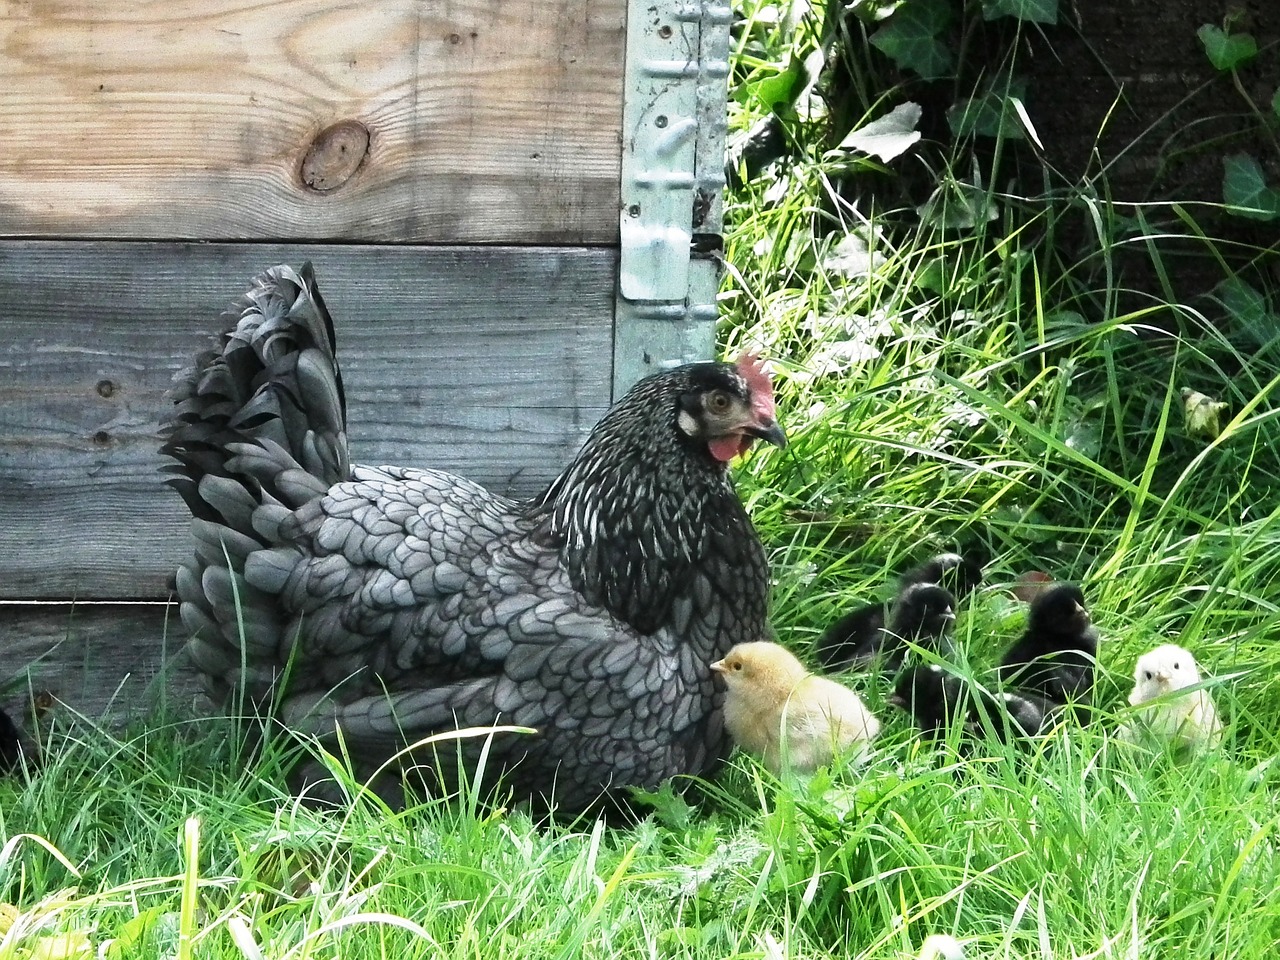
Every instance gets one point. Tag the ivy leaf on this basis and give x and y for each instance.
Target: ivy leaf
(1227, 50)
(910, 37)
(889, 136)
(956, 205)
(1028, 11)
(1248, 311)
(779, 88)
(994, 113)
(1245, 190)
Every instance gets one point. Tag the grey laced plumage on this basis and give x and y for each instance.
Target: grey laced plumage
(403, 602)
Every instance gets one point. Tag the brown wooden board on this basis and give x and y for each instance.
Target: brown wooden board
(94, 659)
(486, 121)
(492, 362)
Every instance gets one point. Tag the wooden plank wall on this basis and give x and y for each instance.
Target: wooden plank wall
(489, 121)
(452, 168)
(94, 332)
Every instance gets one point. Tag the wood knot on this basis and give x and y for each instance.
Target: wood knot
(105, 388)
(334, 155)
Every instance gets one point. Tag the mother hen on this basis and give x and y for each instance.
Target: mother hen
(390, 603)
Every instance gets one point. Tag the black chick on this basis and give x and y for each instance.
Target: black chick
(934, 698)
(937, 699)
(922, 614)
(860, 635)
(1054, 658)
(961, 574)
(12, 748)
(1019, 716)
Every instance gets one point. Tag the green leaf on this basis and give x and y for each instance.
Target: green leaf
(888, 136)
(1227, 50)
(779, 88)
(992, 114)
(1248, 310)
(1245, 190)
(1029, 11)
(956, 205)
(910, 38)
(1275, 102)
(669, 808)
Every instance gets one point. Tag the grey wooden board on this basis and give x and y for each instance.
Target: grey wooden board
(490, 362)
(94, 659)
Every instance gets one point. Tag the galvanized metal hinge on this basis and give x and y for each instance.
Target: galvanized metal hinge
(673, 123)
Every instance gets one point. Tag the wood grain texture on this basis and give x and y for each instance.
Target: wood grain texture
(91, 659)
(488, 120)
(491, 362)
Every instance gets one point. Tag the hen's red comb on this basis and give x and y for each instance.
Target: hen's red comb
(753, 371)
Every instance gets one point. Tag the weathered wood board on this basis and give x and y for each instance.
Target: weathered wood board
(92, 659)
(488, 121)
(492, 362)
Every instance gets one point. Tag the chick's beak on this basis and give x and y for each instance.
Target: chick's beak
(718, 667)
(897, 701)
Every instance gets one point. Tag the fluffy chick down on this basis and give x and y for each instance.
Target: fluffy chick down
(1189, 721)
(790, 718)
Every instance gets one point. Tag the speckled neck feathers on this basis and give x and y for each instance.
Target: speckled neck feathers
(649, 526)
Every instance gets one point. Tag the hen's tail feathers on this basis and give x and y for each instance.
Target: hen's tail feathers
(258, 430)
(266, 403)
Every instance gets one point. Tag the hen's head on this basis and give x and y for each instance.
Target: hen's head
(723, 408)
(645, 518)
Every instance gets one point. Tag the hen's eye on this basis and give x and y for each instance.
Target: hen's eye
(718, 402)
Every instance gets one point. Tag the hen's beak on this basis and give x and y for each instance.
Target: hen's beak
(718, 666)
(768, 430)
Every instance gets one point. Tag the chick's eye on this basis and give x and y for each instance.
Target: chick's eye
(1148, 674)
(718, 401)
(738, 665)
(1175, 666)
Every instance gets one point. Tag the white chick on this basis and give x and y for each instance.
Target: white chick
(778, 710)
(940, 946)
(1189, 721)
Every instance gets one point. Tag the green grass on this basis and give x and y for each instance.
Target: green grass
(988, 387)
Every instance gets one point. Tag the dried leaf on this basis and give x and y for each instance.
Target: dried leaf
(1203, 414)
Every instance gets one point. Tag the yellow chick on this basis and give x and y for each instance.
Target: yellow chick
(1189, 721)
(778, 710)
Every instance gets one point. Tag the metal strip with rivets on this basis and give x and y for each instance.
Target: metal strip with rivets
(673, 131)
